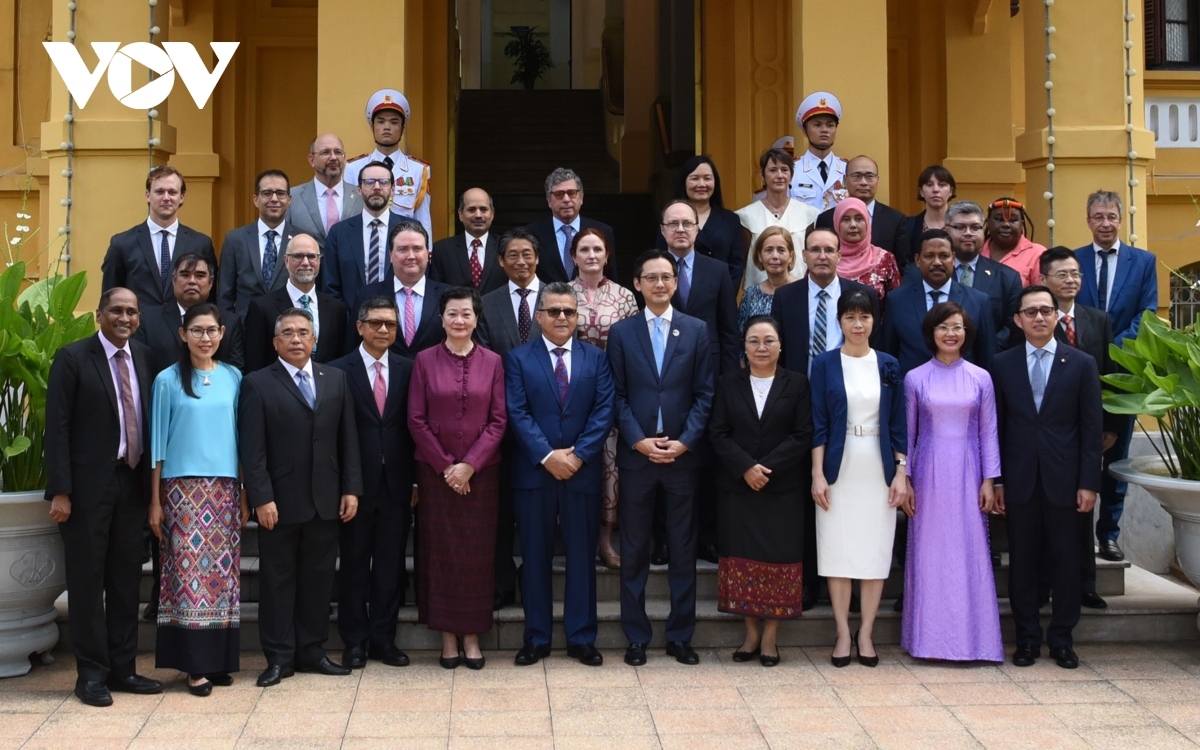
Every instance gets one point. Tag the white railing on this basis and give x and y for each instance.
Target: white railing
(1174, 121)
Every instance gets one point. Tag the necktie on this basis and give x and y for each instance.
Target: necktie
(410, 317)
(270, 255)
(524, 321)
(934, 298)
(306, 389)
(1069, 325)
(824, 170)
(1038, 379)
(965, 276)
(685, 282)
(659, 340)
(560, 374)
(375, 262)
(331, 210)
(819, 324)
(164, 262)
(388, 161)
(1102, 279)
(380, 388)
(476, 266)
(133, 435)
(306, 303)
(568, 262)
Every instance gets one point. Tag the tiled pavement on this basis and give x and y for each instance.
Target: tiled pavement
(1141, 697)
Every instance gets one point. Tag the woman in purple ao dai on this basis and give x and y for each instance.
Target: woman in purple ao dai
(950, 607)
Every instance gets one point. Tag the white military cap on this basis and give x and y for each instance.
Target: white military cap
(787, 143)
(388, 99)
(819, 103)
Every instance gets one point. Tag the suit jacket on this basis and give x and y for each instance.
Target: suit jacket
(889, 230)
(305, 216)
(451, 263)
(790, 310)
(159, 332)
(1093, 335)
(550, 265)
(723, 239)
(497, 328)
(132, 262)
(830, 410)
(1058, 447)
(344, 267)
(241, 267)
(713, 299)
(83, 429)
(781, 439)
(384, 442)
(1003, 287)
(299, 458)
(259, 329)
(683, 392)
(1133, 288)
(902, 325)
(429, 328)
(540, 425)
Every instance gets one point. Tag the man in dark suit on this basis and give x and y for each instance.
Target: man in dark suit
(964, 223)
(303, 262)
(139, 259)
(889, 227)
(252, 255)
(1049, 418)
(560, 412)
(1088, 330)
(356, 249)
(301, 466)
(471, 258)
(97, 482)
(564, 194)
(317, 205)
(1121, 280)
(664, 387)
(371, 577)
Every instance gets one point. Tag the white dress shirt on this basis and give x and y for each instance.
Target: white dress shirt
(483, 242)
(338, 198)
(262, 243)
(156, 238)
(944, 289)
(110, 351)
(370, 362)
(418, 300)
(295, 294)
(833, 331)
(561, 238)
(291, 371)
(534, 287)
(367, 218)
(1051, 347)
(1069, 311)
(1111, 260)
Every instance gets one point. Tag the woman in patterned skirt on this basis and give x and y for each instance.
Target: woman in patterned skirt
(602, 303)
(197, 507)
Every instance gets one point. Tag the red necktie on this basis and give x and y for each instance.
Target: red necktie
(380, 388)
(1069, 322)
(476, 266)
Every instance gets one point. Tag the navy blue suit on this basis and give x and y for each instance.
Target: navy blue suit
(429, 327)
(683, 393)
(344, 266)
(1002, 285)
(906, 308)
(789, 308)
(539, 425)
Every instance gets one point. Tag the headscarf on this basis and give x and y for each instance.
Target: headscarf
(858, 258)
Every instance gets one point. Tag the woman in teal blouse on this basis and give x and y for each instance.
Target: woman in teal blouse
(197, 507)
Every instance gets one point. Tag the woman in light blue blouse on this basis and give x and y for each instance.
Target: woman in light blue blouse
(197, 507)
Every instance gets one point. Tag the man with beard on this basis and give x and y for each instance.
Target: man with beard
(388, 113)
(316, 206)
(356, 252)
(473, 257)
(252, 255)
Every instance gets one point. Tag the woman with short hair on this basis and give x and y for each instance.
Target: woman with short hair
(775, 208)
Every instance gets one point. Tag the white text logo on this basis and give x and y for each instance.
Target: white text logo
(118, 60)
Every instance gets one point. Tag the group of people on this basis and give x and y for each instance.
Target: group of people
(337, 378)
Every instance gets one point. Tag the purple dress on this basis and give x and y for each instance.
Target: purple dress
(950, 607)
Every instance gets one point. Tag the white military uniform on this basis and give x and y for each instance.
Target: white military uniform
(410, 193)
(808, 187)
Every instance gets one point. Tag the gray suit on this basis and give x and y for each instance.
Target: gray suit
(305, 215)
(241, 267)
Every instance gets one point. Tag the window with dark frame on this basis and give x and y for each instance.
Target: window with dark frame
(1172, 33)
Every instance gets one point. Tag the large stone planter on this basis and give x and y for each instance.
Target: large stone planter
(1178, 497)
(32, 576)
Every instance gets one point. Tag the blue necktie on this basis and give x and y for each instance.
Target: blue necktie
(1038, 379)
(685, 282)
(934, 296)
(568, 262)
(269, 258)
(659, 340)
(305, 302)
(965, 276)
(819, 324)
(164, 263)
(306, 389)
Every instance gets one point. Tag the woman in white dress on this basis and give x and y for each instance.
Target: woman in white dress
(860, 440)
(775, 209)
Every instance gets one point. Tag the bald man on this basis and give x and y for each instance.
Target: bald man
(327, 199)
(471, 258)
(889, 227)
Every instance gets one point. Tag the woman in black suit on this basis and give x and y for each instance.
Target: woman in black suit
(761, 427)
(721, 234)
(936, 188)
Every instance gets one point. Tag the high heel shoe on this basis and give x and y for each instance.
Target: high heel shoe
(449, 662)
(839, 661)
(474, 663)
(866, 661)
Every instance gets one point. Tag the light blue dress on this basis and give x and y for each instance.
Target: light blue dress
(196, 437)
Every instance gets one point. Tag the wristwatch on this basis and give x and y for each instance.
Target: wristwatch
(901, 462)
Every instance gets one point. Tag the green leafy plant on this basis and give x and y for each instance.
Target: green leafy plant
(1163, 381)
(530, 57)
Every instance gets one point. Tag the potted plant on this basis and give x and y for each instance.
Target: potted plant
(530, 57)
(1163, 381)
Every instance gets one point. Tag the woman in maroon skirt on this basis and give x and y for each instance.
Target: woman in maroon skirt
(457, 416)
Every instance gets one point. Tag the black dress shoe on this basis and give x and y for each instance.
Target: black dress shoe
(354, 657)
(768, 660)
(899, 605)
(221, 680)
(1092, 600)
(273, 674)
(708, 552)
(586, 653)
(503, 599)
(1025, 656)
(659, 556)
(683, 652)
(475, 664)
(744, 656)
(1111, 551)
(389, 655)
(203, 690)
(531, 653)
(449, 662)
(135, 683)
(1065, 657)
(93, 693)
(150, 613)
(635, 655)
(325, 667)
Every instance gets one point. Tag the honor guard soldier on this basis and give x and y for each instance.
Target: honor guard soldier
(388, 113)
(819, 175)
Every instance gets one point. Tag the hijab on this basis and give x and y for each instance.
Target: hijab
(858, 258)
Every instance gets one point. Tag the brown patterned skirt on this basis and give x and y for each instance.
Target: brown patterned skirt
(761, 544)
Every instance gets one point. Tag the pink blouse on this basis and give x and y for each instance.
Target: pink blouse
(1025, 259)
(456, 409)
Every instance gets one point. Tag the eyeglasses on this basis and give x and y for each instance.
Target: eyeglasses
(269, 194)
(664, 278)
(1064, 275)
(1032, 312)
(199, 333)
(376, 181)
(560, 312)
(972, 228)
(761, 344)
(302, 257)
(376, 324)
(1101, 218)
(949, 329)
(560, 194)
(329, 152)
(288, 333)
(675, 226)
(863, 176)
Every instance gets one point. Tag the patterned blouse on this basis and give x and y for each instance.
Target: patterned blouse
(883, 278)
(601, 308)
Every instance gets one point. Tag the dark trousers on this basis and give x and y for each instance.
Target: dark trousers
(506, 565)
(372, 575)
(1087, 560)
(635, 511)
(578, 515)
(1112, 491)
(1041, 534)
(103, 548)
(296, 564)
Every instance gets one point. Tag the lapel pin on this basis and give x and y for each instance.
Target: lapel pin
(675, 332)
(987, 271)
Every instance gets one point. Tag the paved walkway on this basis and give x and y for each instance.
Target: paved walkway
(1123, 696)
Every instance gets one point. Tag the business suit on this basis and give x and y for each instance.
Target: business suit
(713, 300)
(303, 460)
(305, 215)
(132, 261)
(372, 574)
(259, 330)
(906, 308)
(683, 394)
(1002, 285)
(721, 238)
(1046, 457)
(159, 332)
(450, 263)
(429, 328)
(102, 538)
(889, 230)
(790, 310)
(497, 328)
(344, 266)
(550, 264)
(540, 424)
(242, 267)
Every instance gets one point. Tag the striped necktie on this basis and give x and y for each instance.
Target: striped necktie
(820, 323)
